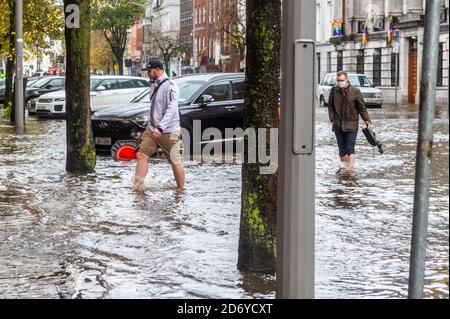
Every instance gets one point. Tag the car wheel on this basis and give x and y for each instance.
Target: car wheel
(322, 101)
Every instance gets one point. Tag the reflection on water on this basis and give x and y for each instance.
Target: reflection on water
(69, 236)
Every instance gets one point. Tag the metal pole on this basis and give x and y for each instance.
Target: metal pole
(296, 222)
(19, 93)
(424, 148)
(194, 46)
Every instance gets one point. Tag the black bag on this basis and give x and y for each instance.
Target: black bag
(372, 139)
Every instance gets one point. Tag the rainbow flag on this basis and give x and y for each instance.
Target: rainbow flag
(365, 37)
(390, 34)
(337, 26)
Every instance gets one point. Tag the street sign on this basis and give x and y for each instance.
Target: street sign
(116, 67)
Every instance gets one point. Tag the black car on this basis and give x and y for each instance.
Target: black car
(29, 82)
(217, 100)
(43, 86)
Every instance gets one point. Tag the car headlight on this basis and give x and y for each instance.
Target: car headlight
(378, 95)
(141, 119)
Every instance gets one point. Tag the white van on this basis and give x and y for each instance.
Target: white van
(106, 91)
(372, 96)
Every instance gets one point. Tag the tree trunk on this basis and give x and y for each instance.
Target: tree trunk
(10, 61)
(81, 156)
(118, 54)
(257, 242)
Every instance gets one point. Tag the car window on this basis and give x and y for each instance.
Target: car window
(109, 84)
(41, 83)
(239, 89)
(365, 82)
(187, 89)
(141, 84)
(57, 83)
(332, 80)
(219, 91)
(126, 84)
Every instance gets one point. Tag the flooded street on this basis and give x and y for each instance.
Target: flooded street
(68, 236)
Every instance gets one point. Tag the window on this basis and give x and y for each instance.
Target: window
(219, 91)
(340, 61)
(332, 80)
(395, 70)
(360, 62)
(239, 89)
(57, 83)
(109, 84)
(126, 84)
(377, 67)
(329, 62)
(141, 84)
(440, 69)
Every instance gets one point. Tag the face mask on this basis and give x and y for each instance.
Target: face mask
(342, 84)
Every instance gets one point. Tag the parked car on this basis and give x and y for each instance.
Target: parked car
(30, 83)
(106, 91)
(372, 96)
(42, 86)
(217, 100)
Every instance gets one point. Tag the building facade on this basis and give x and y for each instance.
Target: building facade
(384, 40)
(135, 50)
(210, 32)
(186, 31)
(162, 18)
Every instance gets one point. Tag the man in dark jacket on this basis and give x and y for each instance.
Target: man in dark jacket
(345, 105)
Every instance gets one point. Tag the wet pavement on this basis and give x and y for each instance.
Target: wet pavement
(69, 236)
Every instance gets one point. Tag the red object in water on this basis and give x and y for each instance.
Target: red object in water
(126, 153)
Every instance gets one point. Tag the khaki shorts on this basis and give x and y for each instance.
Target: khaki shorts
(170, 143)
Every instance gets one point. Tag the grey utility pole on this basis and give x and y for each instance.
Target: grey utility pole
(19, 98)
(296, 221)
(424, 148)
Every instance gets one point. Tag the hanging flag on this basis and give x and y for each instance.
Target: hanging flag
(365, 37)
(390, 33)
(340, 27)
(334, 27)
(337, 27)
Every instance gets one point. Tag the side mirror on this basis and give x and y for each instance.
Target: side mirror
(206, 99)
(100, 88)
(48, 86)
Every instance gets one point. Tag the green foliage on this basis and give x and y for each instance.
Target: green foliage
(114, 18)
(42, 20)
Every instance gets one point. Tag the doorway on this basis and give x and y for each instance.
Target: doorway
(412, 70)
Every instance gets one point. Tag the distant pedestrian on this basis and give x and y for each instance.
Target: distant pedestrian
(345, 105)
(174, 74)
(163, 130)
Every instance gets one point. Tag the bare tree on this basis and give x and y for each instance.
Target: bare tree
(166, 45)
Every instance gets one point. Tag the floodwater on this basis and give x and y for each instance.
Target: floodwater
(69, 236)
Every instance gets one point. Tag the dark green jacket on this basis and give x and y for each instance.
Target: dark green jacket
(345, 107)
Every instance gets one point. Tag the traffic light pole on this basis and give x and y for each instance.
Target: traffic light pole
(19, 92)
(296, 221)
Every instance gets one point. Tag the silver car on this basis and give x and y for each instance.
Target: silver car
(373, 96)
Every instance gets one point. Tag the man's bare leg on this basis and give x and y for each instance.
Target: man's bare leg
(179, 174)
(141, 171)
(351, 162)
